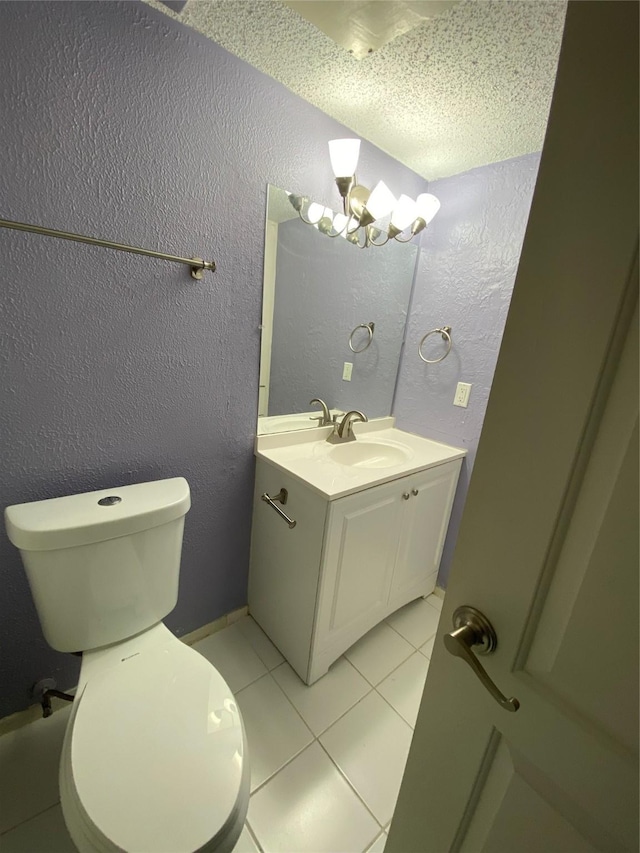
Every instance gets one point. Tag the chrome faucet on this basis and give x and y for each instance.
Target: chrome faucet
(343, 431)
(325, 418)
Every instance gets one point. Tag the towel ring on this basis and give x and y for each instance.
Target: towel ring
(445, 331)
(370, 329)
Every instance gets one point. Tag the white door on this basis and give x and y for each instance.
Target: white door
(548, 544)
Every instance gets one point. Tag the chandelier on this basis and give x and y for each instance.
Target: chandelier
(363, 210)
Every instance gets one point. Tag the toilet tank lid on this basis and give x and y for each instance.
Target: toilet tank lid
(91, 517)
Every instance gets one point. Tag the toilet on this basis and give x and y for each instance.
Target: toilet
(155, 757)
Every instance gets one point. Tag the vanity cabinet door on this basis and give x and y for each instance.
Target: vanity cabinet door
(357, 567)
(425, 520)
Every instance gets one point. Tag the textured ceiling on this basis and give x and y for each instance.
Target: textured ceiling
(469, 87)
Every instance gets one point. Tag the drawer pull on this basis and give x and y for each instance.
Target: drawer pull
(282, 496)
(414, 492)
(405, 496)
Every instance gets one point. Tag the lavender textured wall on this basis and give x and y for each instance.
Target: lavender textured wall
(324, 288)
(466, 271)
(121, 123)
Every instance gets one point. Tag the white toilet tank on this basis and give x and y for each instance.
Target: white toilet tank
(102, 566)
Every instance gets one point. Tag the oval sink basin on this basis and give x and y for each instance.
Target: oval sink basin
(368, 454)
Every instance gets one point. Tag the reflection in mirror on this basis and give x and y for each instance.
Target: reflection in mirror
(317, 291)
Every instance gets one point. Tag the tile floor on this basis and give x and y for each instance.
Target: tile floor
(326, 760)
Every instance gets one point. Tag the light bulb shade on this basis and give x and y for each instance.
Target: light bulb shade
(427, 206)
(315, 212)
(381, 201)
(344, 155)
(404, 213)
(340, 223)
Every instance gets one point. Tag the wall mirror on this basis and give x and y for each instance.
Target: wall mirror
(320, 294)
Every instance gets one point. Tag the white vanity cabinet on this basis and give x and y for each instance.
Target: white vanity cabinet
(347, 564)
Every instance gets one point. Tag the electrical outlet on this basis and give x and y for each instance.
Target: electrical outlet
(346, 371)
(462, 395)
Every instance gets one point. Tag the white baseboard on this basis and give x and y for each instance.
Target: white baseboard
(34, 712)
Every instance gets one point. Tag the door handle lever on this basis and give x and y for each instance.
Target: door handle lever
(473, 630)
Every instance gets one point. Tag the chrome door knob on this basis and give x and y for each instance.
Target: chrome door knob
(473, 630)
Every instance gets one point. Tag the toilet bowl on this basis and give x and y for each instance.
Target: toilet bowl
(154, 758)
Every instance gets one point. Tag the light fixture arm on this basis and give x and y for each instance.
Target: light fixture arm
(370, 239)
(298, 202)
(397, 238)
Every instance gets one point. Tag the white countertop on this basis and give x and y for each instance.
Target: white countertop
(306, 455)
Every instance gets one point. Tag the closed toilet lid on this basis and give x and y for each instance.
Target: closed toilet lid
(157, 751)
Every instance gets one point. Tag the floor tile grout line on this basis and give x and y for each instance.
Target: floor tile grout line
(300, 751)
(248, 684)
(384, 832)
(417, 648)
(33, 817)
(253, 835)
(390, 671)
(281, 768)
(437, 609)
(399, 634)
(397, 713)
(316, 737)
(344, 656)
(384, 698)
(371, 688)
(353, 788)
(275, 648)
(341, 774)
(337, 719)
(280, 688)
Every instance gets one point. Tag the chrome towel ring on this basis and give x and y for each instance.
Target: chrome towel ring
(370, 327)
(445, 331)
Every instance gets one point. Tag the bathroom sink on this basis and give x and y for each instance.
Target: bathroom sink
(369, 454)
(378, 454)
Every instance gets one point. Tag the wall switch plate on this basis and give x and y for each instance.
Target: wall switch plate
(346, 371)
(461, 398)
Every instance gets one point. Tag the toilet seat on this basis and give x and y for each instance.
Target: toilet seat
(154, 758)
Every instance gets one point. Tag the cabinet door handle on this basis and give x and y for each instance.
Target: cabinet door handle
(405, 496)
(414, 492)
(472, 628)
